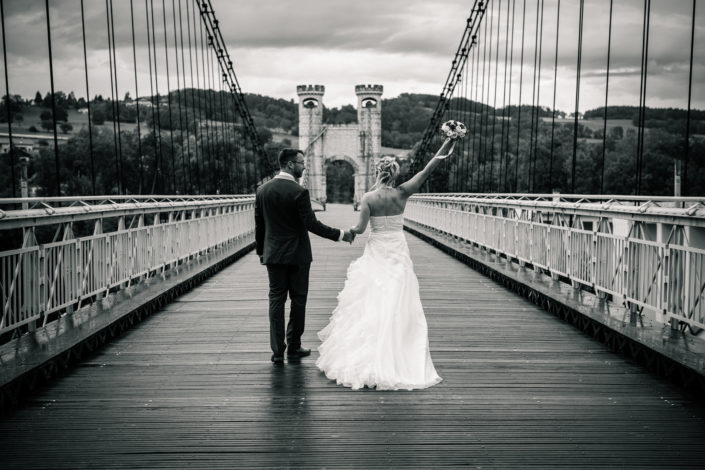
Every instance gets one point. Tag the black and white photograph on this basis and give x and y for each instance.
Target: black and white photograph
(352, 234)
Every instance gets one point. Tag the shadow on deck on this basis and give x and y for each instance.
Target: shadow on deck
(193, 387)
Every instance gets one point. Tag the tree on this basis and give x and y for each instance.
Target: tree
(15, 102)
(38, 98)
(61, 114)
(616, 133)
(66, 127)
(71, 100)
(98, 115)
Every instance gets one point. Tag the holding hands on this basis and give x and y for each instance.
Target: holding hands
(349, 236)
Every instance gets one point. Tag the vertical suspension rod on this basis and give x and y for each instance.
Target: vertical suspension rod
(7, 98)
(53, 102)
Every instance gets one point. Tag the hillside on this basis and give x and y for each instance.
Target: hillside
(404, 118)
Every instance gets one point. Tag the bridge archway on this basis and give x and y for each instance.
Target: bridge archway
(340, 179)
(358, 144)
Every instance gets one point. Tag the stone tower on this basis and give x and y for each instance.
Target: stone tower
(310, 126)
(359, 144)
(369, 117)
(310, 112)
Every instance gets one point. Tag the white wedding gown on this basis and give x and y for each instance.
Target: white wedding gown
(377, 335)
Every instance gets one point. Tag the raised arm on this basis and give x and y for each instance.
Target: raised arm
(414, 184)
(364, 216)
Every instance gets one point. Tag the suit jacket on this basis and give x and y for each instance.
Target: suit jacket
(283, 218)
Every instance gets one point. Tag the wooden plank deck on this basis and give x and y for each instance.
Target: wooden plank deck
(192, 386)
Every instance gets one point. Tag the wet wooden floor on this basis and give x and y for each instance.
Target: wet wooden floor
(193, 387)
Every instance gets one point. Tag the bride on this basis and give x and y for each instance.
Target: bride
(377, 335)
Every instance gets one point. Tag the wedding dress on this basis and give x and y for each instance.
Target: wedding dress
(377, 335)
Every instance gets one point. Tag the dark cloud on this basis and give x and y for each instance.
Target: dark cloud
(401, 42)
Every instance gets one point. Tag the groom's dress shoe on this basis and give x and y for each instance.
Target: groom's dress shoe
(298, 353)
(277, 359)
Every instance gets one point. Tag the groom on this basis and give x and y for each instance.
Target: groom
(283, 218)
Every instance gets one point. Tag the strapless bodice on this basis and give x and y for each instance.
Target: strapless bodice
(387, 223)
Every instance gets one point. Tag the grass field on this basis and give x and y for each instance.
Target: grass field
(80, 120)
(595, 124)
(77, 120)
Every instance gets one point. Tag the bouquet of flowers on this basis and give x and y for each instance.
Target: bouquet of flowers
(454, 129)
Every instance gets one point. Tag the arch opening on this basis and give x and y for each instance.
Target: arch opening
(340, 182)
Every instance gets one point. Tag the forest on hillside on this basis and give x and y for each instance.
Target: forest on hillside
(192, 141)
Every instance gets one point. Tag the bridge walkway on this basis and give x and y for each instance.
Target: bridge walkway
(192, 386)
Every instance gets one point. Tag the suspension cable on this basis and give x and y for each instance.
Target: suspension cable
(111, 32)
(509, 100)
(521, 82)
(494, 104)
(160, 168)
(473, 156)
(53, 102)
(184, 168)
(199, 126)
(687, 120)
(226, 64)
(185, 103)
(577, 93)
(212, 122)
(553, 114)
(219, 169)
(538, 101)
(151, 100)
(501, 183)
(223, 132)
(137, 101)
(607, 88)
(112, 99)
(168, 98)
(217, 116)
(484, 108)
(466, 70)
(450, 83)
(201, 189)
(642, 94)
(88, 99)
(532, 157)
(206, 111)
(7, 99)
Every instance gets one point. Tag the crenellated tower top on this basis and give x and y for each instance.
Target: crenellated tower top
(310, 89)
(369, 89)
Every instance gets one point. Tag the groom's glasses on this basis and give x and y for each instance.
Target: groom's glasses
(300, 162)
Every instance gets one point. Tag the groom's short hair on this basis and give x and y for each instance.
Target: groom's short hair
(288, 155)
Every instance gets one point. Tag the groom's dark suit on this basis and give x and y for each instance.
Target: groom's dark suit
(283, 218)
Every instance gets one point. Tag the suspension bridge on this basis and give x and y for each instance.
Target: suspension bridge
(565, 295)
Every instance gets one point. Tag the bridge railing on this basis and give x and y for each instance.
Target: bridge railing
(131, 240)
(644, 252)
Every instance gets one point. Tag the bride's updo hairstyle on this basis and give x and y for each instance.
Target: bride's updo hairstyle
(387, 172)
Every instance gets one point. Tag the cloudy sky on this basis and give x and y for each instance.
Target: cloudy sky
(405, 45)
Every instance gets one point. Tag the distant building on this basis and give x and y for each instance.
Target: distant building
(28, 142)
(144, 101)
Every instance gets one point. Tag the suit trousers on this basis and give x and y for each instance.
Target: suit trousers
(291, 279)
